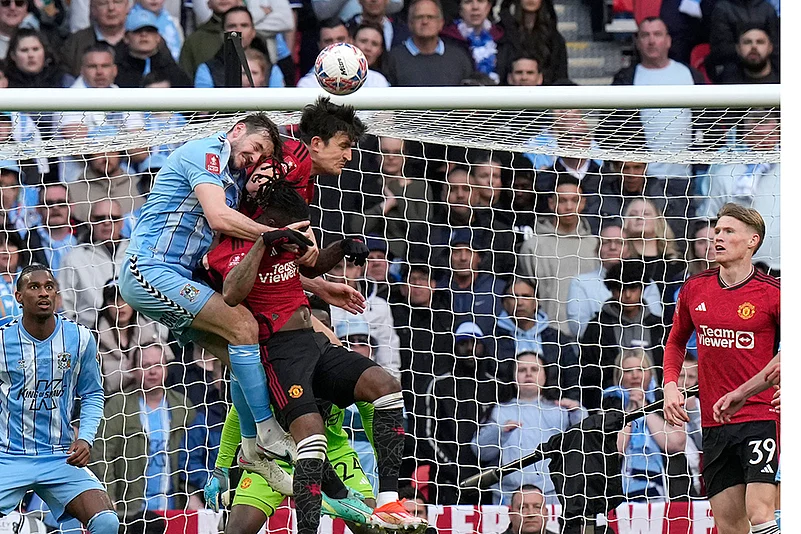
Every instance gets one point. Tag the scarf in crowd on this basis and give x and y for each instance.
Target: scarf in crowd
(482, 46)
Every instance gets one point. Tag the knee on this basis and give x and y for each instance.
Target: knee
(375, 383)
(104, 522)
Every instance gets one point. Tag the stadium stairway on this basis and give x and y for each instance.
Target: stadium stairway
(589, 62)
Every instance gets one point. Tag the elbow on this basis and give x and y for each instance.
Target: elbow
(231, 298)
(216, 221)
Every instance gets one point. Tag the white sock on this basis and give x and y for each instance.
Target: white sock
(769, 527)
(249, 448)
(384, 497)
(269, 431)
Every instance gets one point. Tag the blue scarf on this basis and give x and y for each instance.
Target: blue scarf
(482, 46)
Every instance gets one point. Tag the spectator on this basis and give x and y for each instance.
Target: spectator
(54, 230)
(524, 202)
(517, 427)
(12, 13)
(424, 325)
(212, 72)
(424, 59)
(628, 181)
(522, 326)
(143, 54)
(271, 18)
(562, 247)
(369, 38)
(524, 71)
(206, 39)
(754, 61)
(414, 502)
(663, 129)
(87, 264)
(644, 442)
(623, 323)
(374, 12)
(10, 250)
(486, 41)
(701, 250)
(31, 62)
(168, 26)
(753, 185)
(137, 455)
(334, 31)
(377, 314)
(346, 10)
(532, 28)
(474, 293)
(121, 332)
(377, 268)
(688, 378)
(688, 24)
(728, 18)
(258, 66)
(527, 514)
(393, 199)
(450, 413)
(12, 211)
(486, 170)
(649, 237)
(108, 26)
(104, 178)
(588, 291)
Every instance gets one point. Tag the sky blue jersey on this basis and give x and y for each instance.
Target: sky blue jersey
(172, 228)
(39, 383)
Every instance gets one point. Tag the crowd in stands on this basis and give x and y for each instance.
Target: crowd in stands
(510, 293)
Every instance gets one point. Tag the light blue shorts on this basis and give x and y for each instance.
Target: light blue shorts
(55, 481)
(164, 295)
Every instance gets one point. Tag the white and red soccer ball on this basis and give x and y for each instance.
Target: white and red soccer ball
(341, 68)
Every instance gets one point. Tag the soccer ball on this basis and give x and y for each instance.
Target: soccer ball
(341, 68)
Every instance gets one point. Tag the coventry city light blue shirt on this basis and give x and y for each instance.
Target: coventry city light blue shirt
(39, 382)
(172, 228)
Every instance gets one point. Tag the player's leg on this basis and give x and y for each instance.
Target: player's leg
(729, 511)
(760, 506)
(17, 476)
(254, 502)
(94, 509)
(760, 461)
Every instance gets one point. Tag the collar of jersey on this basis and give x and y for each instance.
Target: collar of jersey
(26, 334)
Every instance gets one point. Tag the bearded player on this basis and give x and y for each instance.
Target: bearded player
(735, 312)
(302, 365)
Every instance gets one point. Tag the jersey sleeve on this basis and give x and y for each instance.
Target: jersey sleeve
(679, 335)
(90, 391)
(203, 165)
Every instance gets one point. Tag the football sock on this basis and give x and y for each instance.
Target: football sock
(246, 367)
(306, 483)
(388, 436)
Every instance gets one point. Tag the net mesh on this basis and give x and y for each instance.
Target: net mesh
(455, 206)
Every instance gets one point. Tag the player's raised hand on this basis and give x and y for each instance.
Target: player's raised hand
(342, 296)
(78, 453)
(675, 414)
(355, 250)
(309, 257)
(728, 405)
(215, 488)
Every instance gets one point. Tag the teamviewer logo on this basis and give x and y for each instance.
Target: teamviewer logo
(744, 340)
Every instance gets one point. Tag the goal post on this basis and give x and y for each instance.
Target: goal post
(440, 170)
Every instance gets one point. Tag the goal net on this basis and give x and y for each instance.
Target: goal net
(526, 254)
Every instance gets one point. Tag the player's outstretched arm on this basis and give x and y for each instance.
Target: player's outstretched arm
(334, 253)
(676, 346)
(730, 403)
(224, 219)
(339, 295)
(241, 278)
(90, 390)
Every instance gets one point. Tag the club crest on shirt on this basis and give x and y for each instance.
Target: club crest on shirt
(22, 363)
(235, 259)
(213, 163)
(64, 360)
(190, 292)
(746, 310)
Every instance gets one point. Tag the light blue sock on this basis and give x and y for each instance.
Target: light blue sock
(778, 514)
(247, 426)
(246, 367)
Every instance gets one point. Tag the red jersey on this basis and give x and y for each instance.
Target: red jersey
(297, 168)
(738, 335)
(277, 292)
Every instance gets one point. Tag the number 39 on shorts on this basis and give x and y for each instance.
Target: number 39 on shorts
(763, 450)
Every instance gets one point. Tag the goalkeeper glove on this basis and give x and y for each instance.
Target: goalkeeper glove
(355, 250)
(285, 236)
(215, 488)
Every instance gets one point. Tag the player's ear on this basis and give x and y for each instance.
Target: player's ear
(18, 297)
(317, 143)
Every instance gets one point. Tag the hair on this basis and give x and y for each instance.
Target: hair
(627, 272)
(528, 56)
(666, 239)
(410, 493)
(324, 119)
(371, 26)
(261, 123)
(748, 216)
(435, 2)
(236, 9)
(155, 76)
(330, 23)
(522, 489)
(565, 179)
(30, 269)
(531, 282)
(111, 293)
(99, 48)
(257, 56)
(539, 41)
(478, 79)
(635, 352)
(419, 268)
(652, 19)
(282, 196)
(695, 264)
(48, 186)
(24, 33)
